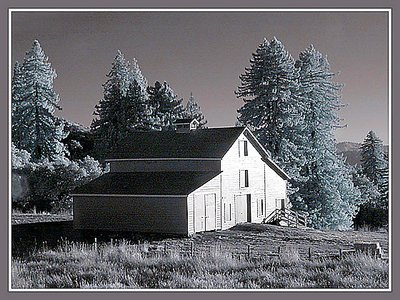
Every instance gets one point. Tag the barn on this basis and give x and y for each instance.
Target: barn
(182, 182)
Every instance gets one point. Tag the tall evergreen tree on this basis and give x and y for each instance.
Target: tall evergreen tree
(167, 108)
(272, 109)
(327, 191)
(384, 188)
(137, 109)
(373, 157)
(125, 105)
(136, 75)
(17, 88)
(112, 122)
(375, 166)
(138, 100)
(34, 126)
(193, 111)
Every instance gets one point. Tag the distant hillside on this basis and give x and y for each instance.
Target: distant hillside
(352, 151)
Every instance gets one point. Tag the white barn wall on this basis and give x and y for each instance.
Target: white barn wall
(275, 189)
(231, 164)
(211, 187)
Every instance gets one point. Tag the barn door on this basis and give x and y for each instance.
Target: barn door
(280, 203)
(209, 202)
(248, 203)
(200, 213)
(240, 208)
(205, 216)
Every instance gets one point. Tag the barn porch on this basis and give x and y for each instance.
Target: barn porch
(286, 217)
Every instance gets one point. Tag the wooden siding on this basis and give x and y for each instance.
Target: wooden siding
(264, 184)
(164, 165)
(147, 214)
(213, 187)
(275, 189)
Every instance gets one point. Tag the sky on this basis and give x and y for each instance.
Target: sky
(205, 52)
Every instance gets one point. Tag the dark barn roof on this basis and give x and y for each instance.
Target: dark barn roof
(202, 143)
(146, 183)
(184, 121)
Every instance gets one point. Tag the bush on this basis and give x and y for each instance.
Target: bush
(46, 185)
(371, 217)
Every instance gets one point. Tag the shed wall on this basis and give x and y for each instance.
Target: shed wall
(147, 214)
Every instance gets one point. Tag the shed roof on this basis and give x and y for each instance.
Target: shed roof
(146, 183)
(204, 143)
(186, 120)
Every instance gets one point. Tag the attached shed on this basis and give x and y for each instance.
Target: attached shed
(138, 201)
(183, 182)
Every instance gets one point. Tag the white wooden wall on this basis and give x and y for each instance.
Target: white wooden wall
(231, 164)
(264, 184)
(275, 189)
(211, 187)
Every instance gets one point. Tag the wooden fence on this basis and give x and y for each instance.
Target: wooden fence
(244, 253)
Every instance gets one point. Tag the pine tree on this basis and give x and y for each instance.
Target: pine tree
(373, 158)
(166, 107)
(137, 101)
(137, 110)
(193, 111)
(136, 75)
(125, 105)
(34, 126)
(326, 190)
(112, 123)
(17, 86)
(272, 109)
(384, 188)
(375, 166)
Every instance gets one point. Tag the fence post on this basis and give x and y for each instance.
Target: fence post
(165, 247)
(112, 242)
(279, 251)
(95, 244)
(309, 253)
(340, 253)
(248, 251)
(191, 248)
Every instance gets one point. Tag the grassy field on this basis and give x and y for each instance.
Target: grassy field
(219, 261)
(23, 218)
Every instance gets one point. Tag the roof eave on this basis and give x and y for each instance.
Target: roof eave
(264, 154)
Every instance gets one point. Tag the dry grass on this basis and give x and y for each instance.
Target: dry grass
(78, 265)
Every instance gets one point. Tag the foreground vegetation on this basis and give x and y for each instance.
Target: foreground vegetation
(78, 265)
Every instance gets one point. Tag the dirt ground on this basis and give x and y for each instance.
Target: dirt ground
(267, 239)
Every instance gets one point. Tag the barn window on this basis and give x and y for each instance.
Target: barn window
(244, 178)
(227, 212)
(260, 208)
(243, 148)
